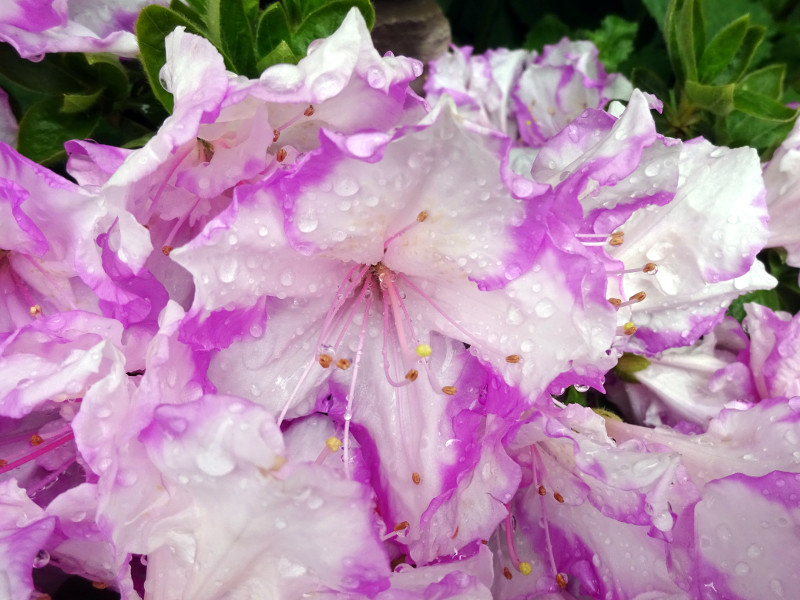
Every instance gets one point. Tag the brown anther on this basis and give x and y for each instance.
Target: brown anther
(649, 268)
(36, 439)
(36, 310)
(614, 301)
(400, 526)
(513, 358)
(638, 297)
(485, 542)
(455, 533)
(616, 240)
(542, 491)
(99, 585)
(343, 364)
(325, 360)
(165, 250)
(44, 597)
(280, 155)
(450, 390)
(559, 498)
(507, 573)
(422, 216)
(416, 478)
(561, 580)
(207, 149)
(629, 328)
(3, 463)
(412, 375)
(309, 111)
(275, 135)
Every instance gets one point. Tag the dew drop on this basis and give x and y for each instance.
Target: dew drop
(228, 269)
(287, 277)
(213, 462)
(376, 77)
(345, 187)
(544, 309)
(307, 222)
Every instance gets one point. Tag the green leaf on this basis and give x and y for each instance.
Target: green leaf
(768, 298)
(77, 103)
(548, 30)
(281, 54)
(237, 37)
(629, 364)
(761, 106)
(154, 24)
(189, 13)
(721, 50)
(744, 130)
(717, 99)
(273, 28)
(744, 56)
(658, 9)
(614, 41)
(685, 38)
(325, 20)
(49, 76)
(45, 127)
(767, 81)
(110, 74)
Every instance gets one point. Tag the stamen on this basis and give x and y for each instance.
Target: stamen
(522, 566)
(333, 443)
(507, 573)
(36, 310)
(542, 491)
(343, 364)
(649, 269)
(174, 231)
(280, 155)
(629, 328)
(424, 350)
(450, 390)
(165, 250)
(400, 526)
(36, 439)
(206, 148)
(525, 568)
(412, 375)
(275, 135)
(325, 360)
(600, 239)
(421, 217)
(561, 580)
(548, 543)
(309, 111)
(416, 478)
(559, 498)
(348, 413)
(615, 302)
(40, 450)
(513, 358)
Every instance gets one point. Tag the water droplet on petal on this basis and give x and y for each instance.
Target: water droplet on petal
(307, 222)
(228, 269)
(544, 309)
(287, 277)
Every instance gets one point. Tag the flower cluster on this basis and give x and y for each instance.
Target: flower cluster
(306, 342)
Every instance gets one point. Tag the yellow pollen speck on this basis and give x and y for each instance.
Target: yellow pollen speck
(525, 568)
(36, 439)
(309, 111)
(333, 443)
(629, 328)
(638, 297)
(513, 358)
(416, 478)
(507, 573)
(325, 360)
(165, 250)
(343, 364)
(412, 375)
(36, 310)
(424, 350)
(450, 390)
(422, 216)
(400, 526)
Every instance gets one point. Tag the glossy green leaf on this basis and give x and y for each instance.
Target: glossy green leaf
(155, 23)
(281, 54)
(109, 74)
(684, 36)
(237, 37)
(721, 50)
(189, 13)
(768, 298)
(740, 62)
(45, 127)
(717, 99)
(273, 28)
(78, 103)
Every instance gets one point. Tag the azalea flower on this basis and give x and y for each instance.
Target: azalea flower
(38, 27)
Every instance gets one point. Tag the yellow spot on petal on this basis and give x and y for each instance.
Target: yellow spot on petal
(424, 350)
(607, 414)
(525, 568)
